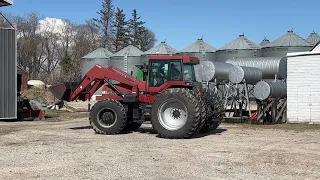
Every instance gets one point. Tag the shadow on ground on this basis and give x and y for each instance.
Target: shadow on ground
(151, 131)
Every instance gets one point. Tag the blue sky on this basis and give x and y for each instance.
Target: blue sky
(181, 22)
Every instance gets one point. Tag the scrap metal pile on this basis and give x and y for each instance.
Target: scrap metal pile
(251, 88)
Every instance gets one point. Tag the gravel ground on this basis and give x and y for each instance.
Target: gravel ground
(68, 149)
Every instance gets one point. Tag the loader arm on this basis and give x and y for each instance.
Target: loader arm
(92, 81)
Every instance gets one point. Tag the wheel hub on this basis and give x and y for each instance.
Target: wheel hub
(107, 118)
(172, 114)
(176, 113)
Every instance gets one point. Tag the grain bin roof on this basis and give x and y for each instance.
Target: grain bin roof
(162, 48)
(6, 2)
(100, 53)
(199, 46)
(241, 42)
(290, 39)
(313, 38)
(264, 42)
(129, 51)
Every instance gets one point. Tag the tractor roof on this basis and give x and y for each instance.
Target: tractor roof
(185, 59)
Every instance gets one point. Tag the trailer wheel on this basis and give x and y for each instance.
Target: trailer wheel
(108, 117)
(176, 113)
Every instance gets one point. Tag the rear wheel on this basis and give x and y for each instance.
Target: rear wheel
(176, 113)
(108, 117)
(214, 109)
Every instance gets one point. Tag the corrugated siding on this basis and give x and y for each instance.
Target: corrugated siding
(303, 86)
(8, 74)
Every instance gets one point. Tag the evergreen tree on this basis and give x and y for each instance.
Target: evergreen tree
(135, 27)
(105, 21)
(122, 38)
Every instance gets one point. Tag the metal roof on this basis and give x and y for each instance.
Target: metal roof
(162, 48)
(241, 42)
(290, 39)
(199, 46)
(313, 38)
(129, 51)
(6, 2)
(264, 42)
(100, 53)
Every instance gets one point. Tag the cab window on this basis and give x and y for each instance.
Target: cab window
(159, 73)
(175, 71)
(188, 73)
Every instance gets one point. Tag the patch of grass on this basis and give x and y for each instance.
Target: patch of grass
(54, 115)
(292, 127)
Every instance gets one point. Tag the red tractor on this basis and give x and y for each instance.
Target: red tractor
(170, 97)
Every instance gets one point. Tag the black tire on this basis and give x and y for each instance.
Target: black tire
(203, 111)
(213, 105)
(132, 126)
(116, 115)
(190, 103)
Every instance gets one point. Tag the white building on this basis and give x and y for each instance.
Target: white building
(303, 86)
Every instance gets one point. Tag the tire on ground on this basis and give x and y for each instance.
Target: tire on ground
(190, 103)
(213, 105)
(115, 109)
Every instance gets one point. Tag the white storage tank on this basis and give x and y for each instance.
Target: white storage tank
(201, 50)
(126, 59)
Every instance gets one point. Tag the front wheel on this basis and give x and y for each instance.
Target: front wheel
(108, 117)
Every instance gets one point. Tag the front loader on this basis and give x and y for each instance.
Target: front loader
(170, 98)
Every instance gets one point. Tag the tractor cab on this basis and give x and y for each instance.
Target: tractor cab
(162, 69)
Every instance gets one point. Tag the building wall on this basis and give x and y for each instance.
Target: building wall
(8, 74)
(24, 78)
(303, 87)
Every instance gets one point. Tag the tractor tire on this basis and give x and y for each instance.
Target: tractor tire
(213, 105)
(203, 111)
(132, 126)
(176, 113)
(108, 117)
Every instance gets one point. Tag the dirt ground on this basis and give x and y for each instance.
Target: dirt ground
(64, 147)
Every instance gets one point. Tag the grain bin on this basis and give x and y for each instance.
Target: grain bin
(99, 56)
(238, 48)
(161, 49)
(313, 38)
(6, 2)
(201, 50)
(126, 59)
(264, 42)
(289, 42)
